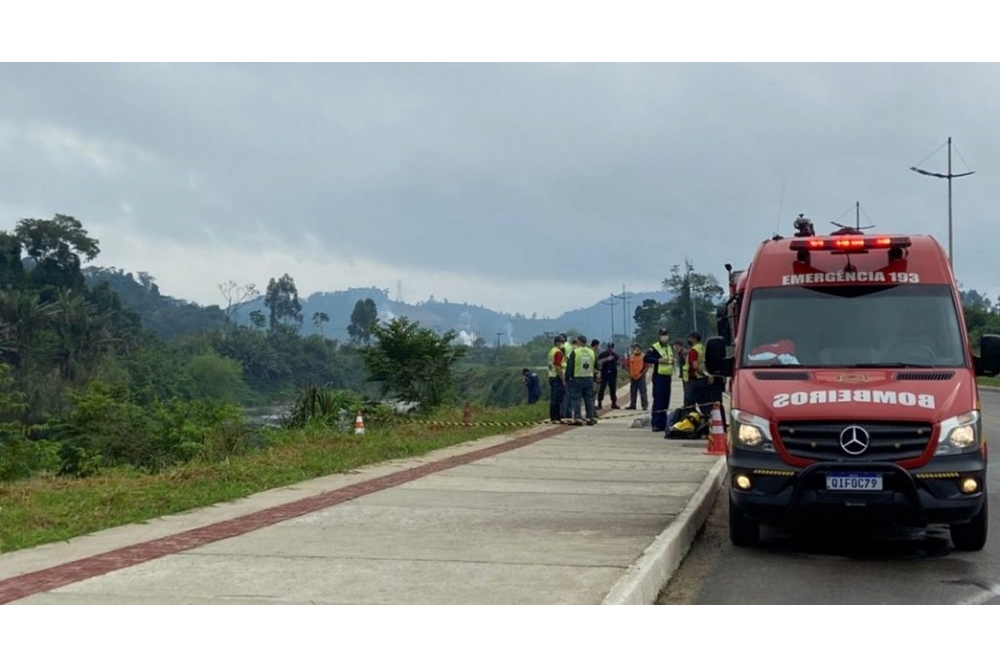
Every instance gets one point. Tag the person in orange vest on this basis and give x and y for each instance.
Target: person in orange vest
(637, 368)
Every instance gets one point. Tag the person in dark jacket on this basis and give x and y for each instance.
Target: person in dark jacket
(608, 365)
(531, 381)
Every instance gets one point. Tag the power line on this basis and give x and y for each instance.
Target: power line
(967, 167)
(843, 214)
(932, 154)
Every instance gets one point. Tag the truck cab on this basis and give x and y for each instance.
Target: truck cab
(853, 390)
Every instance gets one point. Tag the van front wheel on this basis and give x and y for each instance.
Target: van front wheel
(972, 536)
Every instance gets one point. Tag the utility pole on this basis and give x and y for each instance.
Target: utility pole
(612, 304)
(628, 326)
(948, 176)
(694, 310)
(624, 307)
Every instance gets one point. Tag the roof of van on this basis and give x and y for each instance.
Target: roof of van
(777, 262)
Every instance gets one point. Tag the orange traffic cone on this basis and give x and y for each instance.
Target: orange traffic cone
(717, 437)
(359, 425)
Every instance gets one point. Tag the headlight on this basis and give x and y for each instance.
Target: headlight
(751, 432)
(959, 435)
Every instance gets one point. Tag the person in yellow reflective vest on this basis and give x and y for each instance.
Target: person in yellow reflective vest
(567, 347)
(580, 367)
(661, 358)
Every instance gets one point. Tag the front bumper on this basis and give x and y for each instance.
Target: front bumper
(783, 494)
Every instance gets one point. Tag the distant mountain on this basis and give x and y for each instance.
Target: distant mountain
(470, 321)
(170, 317)
(164, 315)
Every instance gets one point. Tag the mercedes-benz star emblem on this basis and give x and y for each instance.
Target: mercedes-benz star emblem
(854, 440)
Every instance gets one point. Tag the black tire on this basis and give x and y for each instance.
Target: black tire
(972, 536)
(743, 531)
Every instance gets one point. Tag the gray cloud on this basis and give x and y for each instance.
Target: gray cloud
(587, 175)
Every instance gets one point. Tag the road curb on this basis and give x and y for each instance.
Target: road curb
(984, 387)
(647, 576)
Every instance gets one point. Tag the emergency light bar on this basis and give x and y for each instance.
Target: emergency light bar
(851, 243)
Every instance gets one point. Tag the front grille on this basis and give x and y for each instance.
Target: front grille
(925, 375)
(781, 375)
(889, 441)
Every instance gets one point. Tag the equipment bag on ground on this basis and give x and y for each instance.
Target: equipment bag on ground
(686, 423)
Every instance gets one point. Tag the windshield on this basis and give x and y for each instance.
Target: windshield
(853, 326)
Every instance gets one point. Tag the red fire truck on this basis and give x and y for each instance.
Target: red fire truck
(853, 387)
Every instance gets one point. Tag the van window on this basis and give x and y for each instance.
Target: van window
(897, 325)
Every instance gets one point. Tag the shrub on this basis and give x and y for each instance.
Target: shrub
(20, 455)
(105, 429)
(326, 407)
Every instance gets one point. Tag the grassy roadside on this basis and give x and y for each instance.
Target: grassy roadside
(50, 509)
(989, 382)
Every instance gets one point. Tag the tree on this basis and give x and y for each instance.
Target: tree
(217, 377)
(45, 239)
(257, 319)
(363, 320)
(23, 321)
(974, 299)
(19, 456)
(318, 319)
(236, 296)
(412, 363)
(282, 301)
(83, 332)
(11, 264)
(693, 306)
(56, 246)
(649, 317)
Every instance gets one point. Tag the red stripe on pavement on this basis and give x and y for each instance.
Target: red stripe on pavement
(48, 579)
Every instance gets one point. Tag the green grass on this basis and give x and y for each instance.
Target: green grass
(989, 382)
(50, 509)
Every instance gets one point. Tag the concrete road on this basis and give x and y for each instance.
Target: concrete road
(557, 515)
(888, 567)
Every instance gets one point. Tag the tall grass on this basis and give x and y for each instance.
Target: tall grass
(48, 509)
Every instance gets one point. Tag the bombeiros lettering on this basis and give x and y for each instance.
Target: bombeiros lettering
(874, 396)
(820, 277)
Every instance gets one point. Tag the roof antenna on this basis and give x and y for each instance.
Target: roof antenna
(856, 229)
(781, 203)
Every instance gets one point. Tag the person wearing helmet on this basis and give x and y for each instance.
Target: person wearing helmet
(660, 356)
(580, 366)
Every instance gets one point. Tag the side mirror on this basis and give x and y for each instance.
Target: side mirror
(988, 361)
(723, 325)
(716, 361)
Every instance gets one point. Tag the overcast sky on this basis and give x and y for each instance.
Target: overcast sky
(528, 188)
